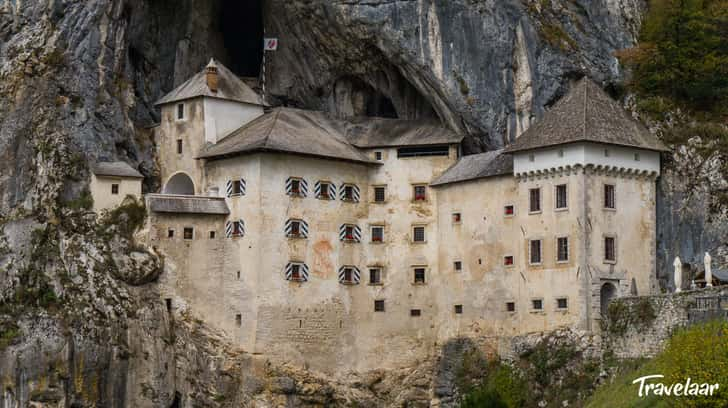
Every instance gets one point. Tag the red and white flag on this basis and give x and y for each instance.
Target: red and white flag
(270, 44)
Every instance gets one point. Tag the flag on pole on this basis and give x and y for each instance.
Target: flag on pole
(270, 44)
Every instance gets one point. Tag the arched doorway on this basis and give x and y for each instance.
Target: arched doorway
(606, 294)
(180, 183)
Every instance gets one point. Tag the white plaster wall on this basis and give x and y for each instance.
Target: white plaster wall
(223, 116)
(191, 131)
(584, 154)
(101, 191)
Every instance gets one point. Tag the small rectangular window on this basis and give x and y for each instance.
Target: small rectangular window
(510, 306)
(418, 234)
(349, 233)
(419, 275)
(179, 146)
(610, 254)
(378, 305)
(348, 275)
(349, 193)
(609, 196)
(534, 200)
(237, 229)
(562, 249)
(295, 187)
(379, 194)
(325, 192)
(561, 197)
(296, 272)
(295, 228)
(375, 276)
(537, 304)
(636, 157)
(562, 303)
(458, 309)
(115, 189)
(170, 233)
(378, 156)
(509, 210)
(377, 233)
(237, 188)
(456, 218)
(508, 260)
(415, 312)
(458, 265)
(420, 193)
(535, 252)
(180, 111)
(188, 233)
(212, 234)
(238, 320)
(439, 150)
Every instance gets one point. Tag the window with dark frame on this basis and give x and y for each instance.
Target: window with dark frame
(508, 260)
(114, 189)
(420, 193)
(295, 187)
(237, 188)
(562, 249)
(375, 276)
(509, 210)
(212, 234)
(179, 146)
(510, 306)
(534, 200)
(458, 309)
(378, 156)
(295, 228)
(180, 111)
(458, 265)
(377, 233)
(561, 197)
(456, 218)
(324, 191)
(418, 234)
(379, 194)
(537, 304)
(296, 272)
(535, 251)
(349, 233)
(349, 193)
(419, 275)
(415, 312)
(170, 233)
(378, 305)
(238, 320)
(609, 197)
(188, 233)
(348, 275)
(562, 303)
(237, 229)
(610, 254)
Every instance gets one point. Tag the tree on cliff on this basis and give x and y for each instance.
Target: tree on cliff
(680, 74)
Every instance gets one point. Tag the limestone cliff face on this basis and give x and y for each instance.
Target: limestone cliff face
(78, 80)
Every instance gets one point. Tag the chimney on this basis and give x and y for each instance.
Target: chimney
(211, 75)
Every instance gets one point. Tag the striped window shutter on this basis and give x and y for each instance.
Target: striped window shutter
(229, 188)
(332, 191)
(302, 227)
(228, 229)
(303, 269)
(355, 192)
(304, 187)
(355, 275)
(241, 227)
(242, 186)
(356, 237)
(317, 189)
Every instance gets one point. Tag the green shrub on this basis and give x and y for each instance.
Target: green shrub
(503, 388)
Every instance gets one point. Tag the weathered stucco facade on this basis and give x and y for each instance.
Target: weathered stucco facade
(486, 246)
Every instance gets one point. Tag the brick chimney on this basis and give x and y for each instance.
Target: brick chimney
(211, 75)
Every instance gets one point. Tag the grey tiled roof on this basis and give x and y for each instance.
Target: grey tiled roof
(379, 132)
(289, 130)
(165, 203)
(586, 113)
(115, 169)
(229, 87)
(476, 166)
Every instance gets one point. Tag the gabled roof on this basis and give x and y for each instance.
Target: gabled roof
(477, 166)
(230, 87)
(586, 114)
(289, 130)
(115, 169)
(187, 204)
(380, 132)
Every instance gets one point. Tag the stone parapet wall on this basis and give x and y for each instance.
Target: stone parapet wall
(639, 326)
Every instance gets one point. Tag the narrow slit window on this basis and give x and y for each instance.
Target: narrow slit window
(562, 249)
(535, 251)
(610, 254)
(179, 146)
(561, 197)
(609, 197)
(180, 111)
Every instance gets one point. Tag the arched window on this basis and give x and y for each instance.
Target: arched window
(180, 183)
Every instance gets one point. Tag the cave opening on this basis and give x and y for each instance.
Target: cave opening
(241, 26)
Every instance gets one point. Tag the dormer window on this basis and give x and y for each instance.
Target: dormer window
(180, 111)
